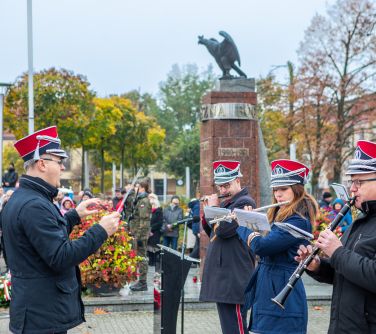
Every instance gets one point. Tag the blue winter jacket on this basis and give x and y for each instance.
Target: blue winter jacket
(346, 220)
(194, 205)
(277, 251)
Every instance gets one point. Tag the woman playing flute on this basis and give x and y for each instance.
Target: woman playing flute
(277, 251)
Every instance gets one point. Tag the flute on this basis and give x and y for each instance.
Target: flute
(280, 299)
(232, 215)
(203, 199)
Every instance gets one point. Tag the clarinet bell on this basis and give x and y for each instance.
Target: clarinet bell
(280, 299)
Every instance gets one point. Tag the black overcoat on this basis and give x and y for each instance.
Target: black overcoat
(156, 223)
(352, 271)
(46, 294)
(229, 262)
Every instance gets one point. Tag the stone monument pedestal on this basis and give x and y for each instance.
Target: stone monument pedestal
(230, 131)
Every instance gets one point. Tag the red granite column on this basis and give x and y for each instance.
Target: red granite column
(228, 139)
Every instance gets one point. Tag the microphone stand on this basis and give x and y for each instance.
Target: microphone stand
(183, 246)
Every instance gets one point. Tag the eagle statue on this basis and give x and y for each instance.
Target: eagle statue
(225, 54)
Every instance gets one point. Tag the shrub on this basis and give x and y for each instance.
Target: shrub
(115, 262)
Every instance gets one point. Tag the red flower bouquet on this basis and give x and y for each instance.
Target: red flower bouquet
(324, 218)
(5, 290)
(115, 262)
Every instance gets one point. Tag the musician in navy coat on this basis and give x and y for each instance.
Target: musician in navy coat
(228, 263)
(277, 251)
(43, 261)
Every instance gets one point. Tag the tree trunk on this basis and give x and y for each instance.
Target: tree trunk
(102, 170)
(122, 167)
(315, 181)
(83, 167)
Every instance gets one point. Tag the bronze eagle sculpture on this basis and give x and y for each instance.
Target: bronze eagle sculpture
(225, 54)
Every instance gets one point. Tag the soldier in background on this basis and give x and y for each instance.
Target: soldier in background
(140, 229)
(130, 203)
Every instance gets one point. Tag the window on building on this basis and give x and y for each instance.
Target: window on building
(158, 186)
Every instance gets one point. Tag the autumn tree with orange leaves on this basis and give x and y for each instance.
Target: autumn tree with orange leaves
(338, 62)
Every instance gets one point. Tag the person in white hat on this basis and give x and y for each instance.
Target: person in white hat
(228, 262)
(350, 262)
(43, 261)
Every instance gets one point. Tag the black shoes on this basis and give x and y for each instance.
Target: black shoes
(139, 286)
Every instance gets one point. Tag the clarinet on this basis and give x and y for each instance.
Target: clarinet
(280, 299)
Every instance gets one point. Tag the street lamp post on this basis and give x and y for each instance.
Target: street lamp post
(30, 64)
(3, 90)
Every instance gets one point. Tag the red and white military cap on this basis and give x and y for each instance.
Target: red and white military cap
(364, 161)
(226, 171)
(44, 141)
(288, 172)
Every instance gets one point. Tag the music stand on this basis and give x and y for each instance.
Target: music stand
(167, 298)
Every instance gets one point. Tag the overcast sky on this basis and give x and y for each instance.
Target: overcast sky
(123, 45)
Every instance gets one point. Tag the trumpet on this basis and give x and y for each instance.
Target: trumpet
(233, 216)
(280, 299)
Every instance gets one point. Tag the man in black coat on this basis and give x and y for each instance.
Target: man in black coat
(43, 261)
(351, 262)
(228, 262)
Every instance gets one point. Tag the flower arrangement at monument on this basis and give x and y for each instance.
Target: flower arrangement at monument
(324, 218)
(115, 262)
(5, 290)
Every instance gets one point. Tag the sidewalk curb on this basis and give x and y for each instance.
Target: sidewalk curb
(114, 304)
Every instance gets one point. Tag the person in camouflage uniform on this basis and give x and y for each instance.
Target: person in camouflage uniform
(129, 208)
(140, 229)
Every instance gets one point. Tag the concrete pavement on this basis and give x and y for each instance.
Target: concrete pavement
(196, 322)
(133, 313)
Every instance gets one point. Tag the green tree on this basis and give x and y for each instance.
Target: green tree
(148, 142)
(139, 139)
(183, 152)
(272, 116)
(102, 129)
(61, 98)
(180, 98)
(143, 102)
(179, 113)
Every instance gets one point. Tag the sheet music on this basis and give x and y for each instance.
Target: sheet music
(212, 212)
(341, 191)
(253, 220)
(295, 231)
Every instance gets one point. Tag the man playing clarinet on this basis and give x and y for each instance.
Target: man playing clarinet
(228, 263)
(350, 264)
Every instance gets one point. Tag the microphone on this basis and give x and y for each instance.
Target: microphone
(183, 221)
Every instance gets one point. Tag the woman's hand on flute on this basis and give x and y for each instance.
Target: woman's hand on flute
(328, 242)
(303, 253)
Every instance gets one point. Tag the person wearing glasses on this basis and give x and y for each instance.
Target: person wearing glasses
(43, 261)
(350, 263)
(228, 262)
